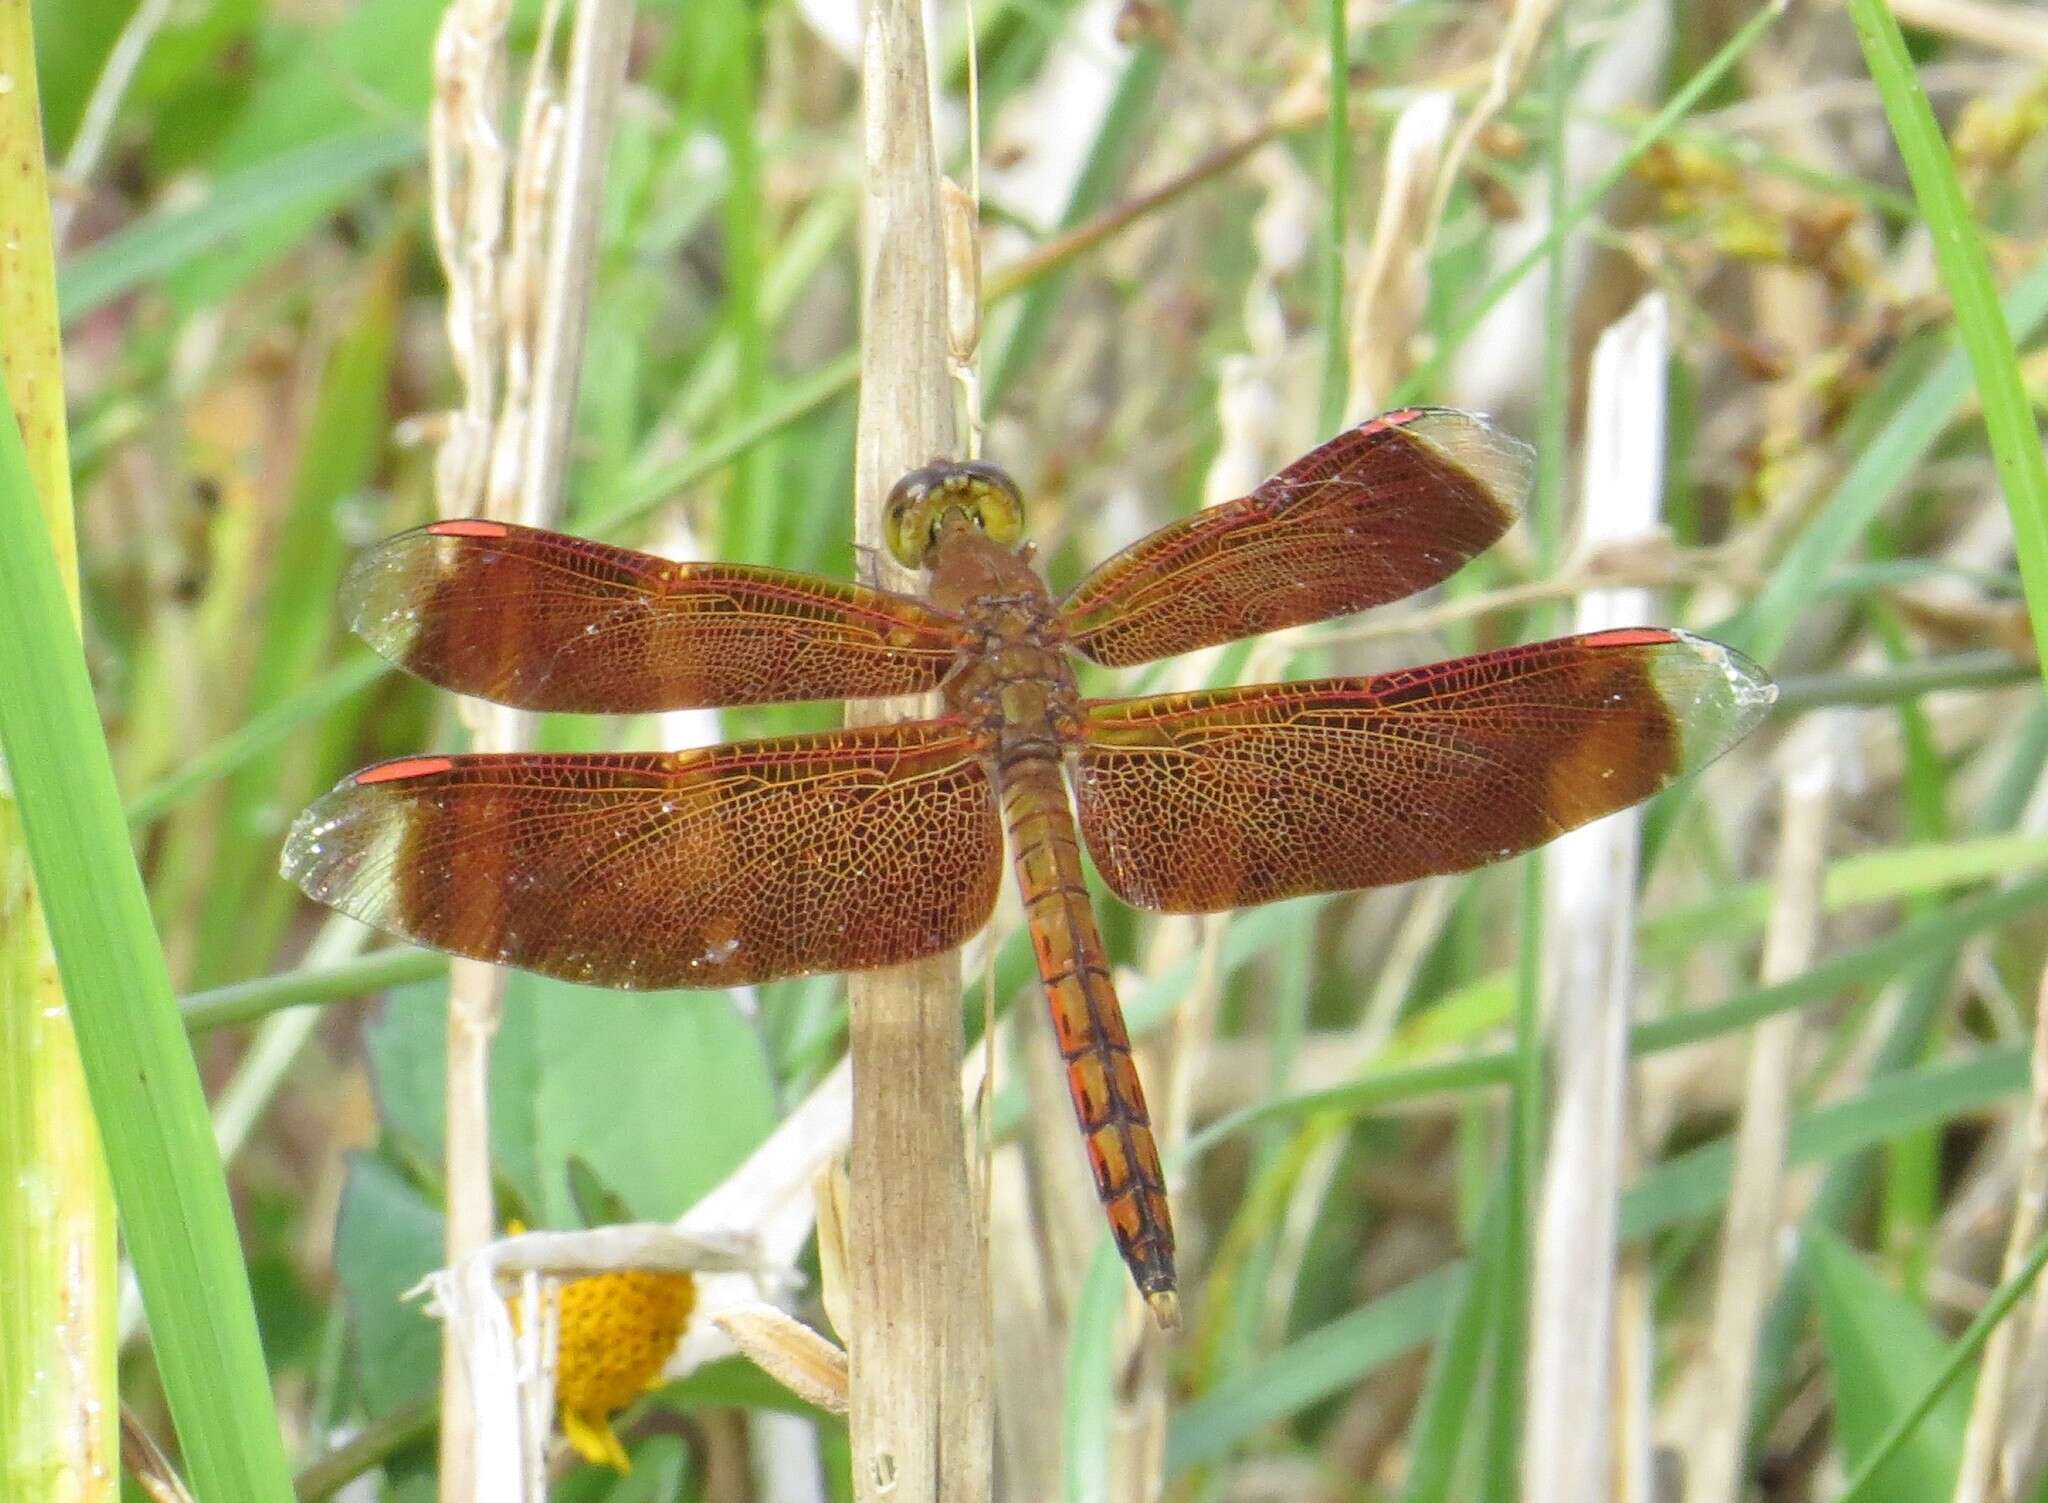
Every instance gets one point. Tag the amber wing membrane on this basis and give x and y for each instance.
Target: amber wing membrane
(1393, 506)
(544, 621)
(1196, 802)
(735, 864)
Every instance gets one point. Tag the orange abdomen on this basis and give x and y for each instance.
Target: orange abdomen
(1089, 1024)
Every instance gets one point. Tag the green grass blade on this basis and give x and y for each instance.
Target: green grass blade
(1906, 681)
(157, 245)
(246, 907)
(1922, 998)
(1737, 913)
(1839, 973)
(1437, 1438)
(1880, 471)
(1337, 144)
(1327, 1359)
(1129, 110)
(1919, 870)
(264, 732)
(1980, 321)
(59, 1256)
(1960, 1355)
(1881, 1348)
(1090, 1402)
(246, 1001)
(168, 1184)
(1341, 1353)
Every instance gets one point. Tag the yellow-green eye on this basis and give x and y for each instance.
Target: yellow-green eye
(979, 494)
(905, 524)
(997, 504)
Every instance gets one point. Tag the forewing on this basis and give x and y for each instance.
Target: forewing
(544, 621)
(1393, 506)
(1197, 802)
(735, 864)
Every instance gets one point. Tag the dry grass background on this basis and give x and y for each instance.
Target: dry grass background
(1405, 1120)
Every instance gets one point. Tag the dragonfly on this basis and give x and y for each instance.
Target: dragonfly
(849, 849)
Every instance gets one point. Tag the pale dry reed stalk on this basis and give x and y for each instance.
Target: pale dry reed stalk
(1620, 67)
(1989, 1473)
(1513, 61)
(916, 1282)
(1589, 978)
(467, 160)
(1032, 1318)
(2019, 29)
(1714, 1428)
(1044, 1221)
(516, 231)
(1391, 293)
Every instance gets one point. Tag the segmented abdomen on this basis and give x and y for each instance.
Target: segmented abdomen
(1089, 1024)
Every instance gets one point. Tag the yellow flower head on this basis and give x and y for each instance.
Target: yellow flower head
(617, 1331)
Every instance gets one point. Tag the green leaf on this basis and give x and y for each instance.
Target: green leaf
(386, 1241)
(407, 1048)
(596, 1203)
(605, 1077)
(662, 1093)
(735, 1383)
(1451, 1394)
(661, 1467)
(1882, 1353)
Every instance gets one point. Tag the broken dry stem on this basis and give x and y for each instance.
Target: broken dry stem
(920, 1416)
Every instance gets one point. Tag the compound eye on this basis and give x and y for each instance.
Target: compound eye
(907, 520)
(998, 503)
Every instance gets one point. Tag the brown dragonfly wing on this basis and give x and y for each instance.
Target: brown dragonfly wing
(1395, 505)
(741, 863)
(544, 621)
(1197, 802)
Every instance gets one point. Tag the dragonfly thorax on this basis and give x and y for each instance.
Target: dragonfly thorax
(1014, 679)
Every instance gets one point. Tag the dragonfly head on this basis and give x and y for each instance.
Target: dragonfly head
(925, 501)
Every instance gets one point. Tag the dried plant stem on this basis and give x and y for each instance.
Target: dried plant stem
(1392, 292)
(144, 1460)
(921, 1422)
(1987, 1474)
(2017, 29)
(1512, 63)
(468, 164)
(516, 233)
(1717, 1427)
(1589, 967)
(596, 78)
(1030, 1323)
